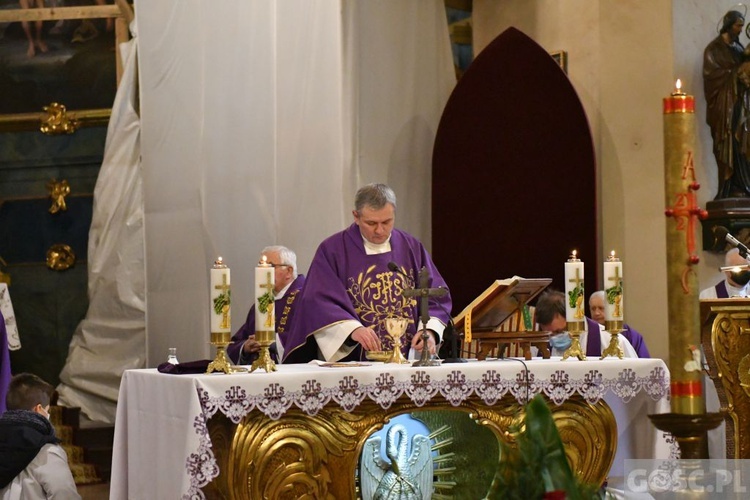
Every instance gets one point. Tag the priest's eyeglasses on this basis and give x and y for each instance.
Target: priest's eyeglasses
(279, 265)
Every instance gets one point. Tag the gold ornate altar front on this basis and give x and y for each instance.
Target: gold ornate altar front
(725, 335)
(303, 456)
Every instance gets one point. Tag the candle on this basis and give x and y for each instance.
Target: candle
(613, 306)
(682, 285)
(574, 292)
(264, 297)
(220, 298)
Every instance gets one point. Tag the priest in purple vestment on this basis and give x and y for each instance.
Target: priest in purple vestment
(350, 289)
(596, 306)
(287, 283)
(735, 284)
(550, 315)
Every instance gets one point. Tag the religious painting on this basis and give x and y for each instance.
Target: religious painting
(561, 58)
(50, 53)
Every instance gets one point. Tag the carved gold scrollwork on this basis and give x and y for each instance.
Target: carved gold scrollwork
(57, 121)
(729, 363)
(316, 457)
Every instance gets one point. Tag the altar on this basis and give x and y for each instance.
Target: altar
(303, 427)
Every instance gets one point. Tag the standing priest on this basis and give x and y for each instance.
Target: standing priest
(351, 289)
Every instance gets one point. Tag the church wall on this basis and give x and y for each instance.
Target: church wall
(623, 58)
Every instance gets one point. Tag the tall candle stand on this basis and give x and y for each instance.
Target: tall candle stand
(265, 322)
(221, 302)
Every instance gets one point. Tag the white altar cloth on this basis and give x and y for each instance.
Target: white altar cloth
(162, 448)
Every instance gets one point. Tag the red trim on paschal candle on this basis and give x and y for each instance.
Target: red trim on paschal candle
(679, 104)
(693, 388)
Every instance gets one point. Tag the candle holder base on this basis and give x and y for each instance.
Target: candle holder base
(574, 349)
(221, 362)
(264, 361)
(613, 349)
(689, 431)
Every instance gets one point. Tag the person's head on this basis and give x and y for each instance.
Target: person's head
(732, 24)
(375, 212)
(26, 391)
(740, 277)
(550, 312)
(284, 262)
(596, 305)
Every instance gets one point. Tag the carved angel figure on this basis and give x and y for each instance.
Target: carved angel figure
(405, 478)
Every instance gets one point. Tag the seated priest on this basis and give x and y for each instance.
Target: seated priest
(356, 281)
(735, 284)
(596, 305)
(550, 315)
(287, 283)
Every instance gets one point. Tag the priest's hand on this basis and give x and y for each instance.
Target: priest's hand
(251, 345)
(367, 338)
(416, 341)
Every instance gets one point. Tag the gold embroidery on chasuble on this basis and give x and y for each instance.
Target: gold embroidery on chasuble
(285, 312)
(377, 295)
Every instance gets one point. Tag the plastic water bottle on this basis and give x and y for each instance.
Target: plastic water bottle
(172, 358)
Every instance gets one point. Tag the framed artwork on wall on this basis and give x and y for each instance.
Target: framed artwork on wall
(59, 67)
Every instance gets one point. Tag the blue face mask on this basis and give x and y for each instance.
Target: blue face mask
(560, 341)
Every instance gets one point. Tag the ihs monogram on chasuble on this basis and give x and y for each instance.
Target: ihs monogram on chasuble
(378, 295)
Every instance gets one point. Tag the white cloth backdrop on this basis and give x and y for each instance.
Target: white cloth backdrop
(259, 120)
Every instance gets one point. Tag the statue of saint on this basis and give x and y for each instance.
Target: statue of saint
(726, 81)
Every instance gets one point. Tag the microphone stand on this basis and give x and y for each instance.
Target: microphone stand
(424, 292)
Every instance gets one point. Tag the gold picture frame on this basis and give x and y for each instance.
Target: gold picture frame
(55, 118)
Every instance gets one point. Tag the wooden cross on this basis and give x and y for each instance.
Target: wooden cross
(225, 309)
(618, 298)
(269, 289)
(579, 301)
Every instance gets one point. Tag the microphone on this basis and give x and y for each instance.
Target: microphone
(722, 233)
(450, 328)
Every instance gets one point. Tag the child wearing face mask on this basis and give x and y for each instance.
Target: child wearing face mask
(32, 463)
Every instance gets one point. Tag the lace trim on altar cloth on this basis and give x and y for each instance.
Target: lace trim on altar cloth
(491, 387)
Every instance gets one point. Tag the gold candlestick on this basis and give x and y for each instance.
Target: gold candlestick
(221, 302)
(574, 329)
(265, 318)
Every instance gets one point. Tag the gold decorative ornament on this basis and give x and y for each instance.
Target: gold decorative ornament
(57, 121)
(575, 328)
(613, 349)
(58, 191)
(303, 456)
(396, 328)
(60, 257)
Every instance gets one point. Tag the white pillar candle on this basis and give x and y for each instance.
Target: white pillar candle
(574, 290)
(613, 305)
(221, 319)
(264, 297)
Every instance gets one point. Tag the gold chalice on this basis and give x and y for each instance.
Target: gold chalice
(396, 328)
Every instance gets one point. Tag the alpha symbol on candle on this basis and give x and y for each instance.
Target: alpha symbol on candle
(222, 301)
(265, 302)
(576, 294)
(614, 293)
(688, 166)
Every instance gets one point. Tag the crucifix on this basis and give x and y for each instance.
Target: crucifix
(579, 295)
(225, 308)
(618, 297)
(269, 292)
(424, 292)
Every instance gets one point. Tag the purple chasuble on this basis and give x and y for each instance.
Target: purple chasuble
(5, 372)
(636, 340)
(721, 290)
(284, 308)
(593, 339)
(344, 283)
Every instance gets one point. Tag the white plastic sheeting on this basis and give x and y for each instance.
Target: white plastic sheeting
(259, 120)
(112, 337)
